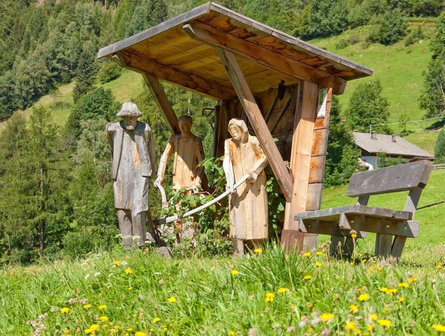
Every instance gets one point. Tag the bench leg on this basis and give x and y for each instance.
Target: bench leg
(337, 243)
(397, 247)
(383, 244)
(348, 248)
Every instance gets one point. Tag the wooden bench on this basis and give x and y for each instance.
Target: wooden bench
(392, 227)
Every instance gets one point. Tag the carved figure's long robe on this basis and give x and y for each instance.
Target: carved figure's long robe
(248, 206)
(133, 164)
(188, 153)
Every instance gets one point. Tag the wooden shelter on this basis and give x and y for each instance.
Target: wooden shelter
(281, 85)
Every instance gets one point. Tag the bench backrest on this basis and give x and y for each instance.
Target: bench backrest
(402, 177)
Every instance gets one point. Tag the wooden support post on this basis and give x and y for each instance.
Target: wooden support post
(158, 93)
(410, 205)
(257, 121)
(162, 102)
(302, 143)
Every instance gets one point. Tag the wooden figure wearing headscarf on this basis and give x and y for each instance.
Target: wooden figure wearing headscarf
(248, 204)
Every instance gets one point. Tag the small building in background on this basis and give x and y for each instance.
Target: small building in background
(393, 146)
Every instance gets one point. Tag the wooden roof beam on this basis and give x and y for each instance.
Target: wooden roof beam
(257, 121)
(188, 81)
(263, 56)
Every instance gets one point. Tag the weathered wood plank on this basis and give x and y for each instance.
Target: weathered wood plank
(357, 210)
(362, 224)
(189, 81)
(383, 244)
(390, 179)
(257, 121)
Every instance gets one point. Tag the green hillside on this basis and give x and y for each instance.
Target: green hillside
(398, 67)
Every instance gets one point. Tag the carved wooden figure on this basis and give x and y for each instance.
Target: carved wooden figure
(248, 204)
(133, 154)
(188, 152)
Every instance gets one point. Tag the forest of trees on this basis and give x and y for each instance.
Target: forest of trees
(55, 188)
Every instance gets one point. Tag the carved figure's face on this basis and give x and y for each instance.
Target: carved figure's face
(130, 122)
(185, 126)
(236, 132)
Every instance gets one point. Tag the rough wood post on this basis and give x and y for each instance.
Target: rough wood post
(302, 143)
(257, 121)
(162, 102)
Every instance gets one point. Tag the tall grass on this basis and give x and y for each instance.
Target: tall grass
(266, 293)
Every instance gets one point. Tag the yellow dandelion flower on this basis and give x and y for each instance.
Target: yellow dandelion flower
(310, 304)
(307, 277)
(282, 290)
(102, 307)
(411, 280)
(370, 326)
(326, 317)
(310, 329)
(364, 261)
(403, 285)
(234, 272)
(317, 264)
(439, 328)
(116, 263)
(67, 331)
(130, 288)
(363, 297)
(140, 333)
(103, 318)
(129, 329)
(353, 308)
(350, 325)
(87, 306)
(319, 253)
(354, 235)
(269, 297)
(171, 299)
(231, 333)
(128, 271)
(155, 319)
(335, 297)
(386, 309)
(384, 323)
(147, 249)
(373, 317)
(64, 310)
(439, 266)
(258, 251)
(401, 298)
(307, 254)
(92, 329)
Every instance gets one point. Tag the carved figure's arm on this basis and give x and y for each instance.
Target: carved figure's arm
(260, 164)
(163, 161)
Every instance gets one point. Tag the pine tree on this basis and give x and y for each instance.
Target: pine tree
(439, 148)
(33, 211)
(86, 73)
(342, 154)
(433, 96)
(368, 107)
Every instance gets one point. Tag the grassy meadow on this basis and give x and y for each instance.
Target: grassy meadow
(264, 293)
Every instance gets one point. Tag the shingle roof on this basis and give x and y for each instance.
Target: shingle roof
(383, 143)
